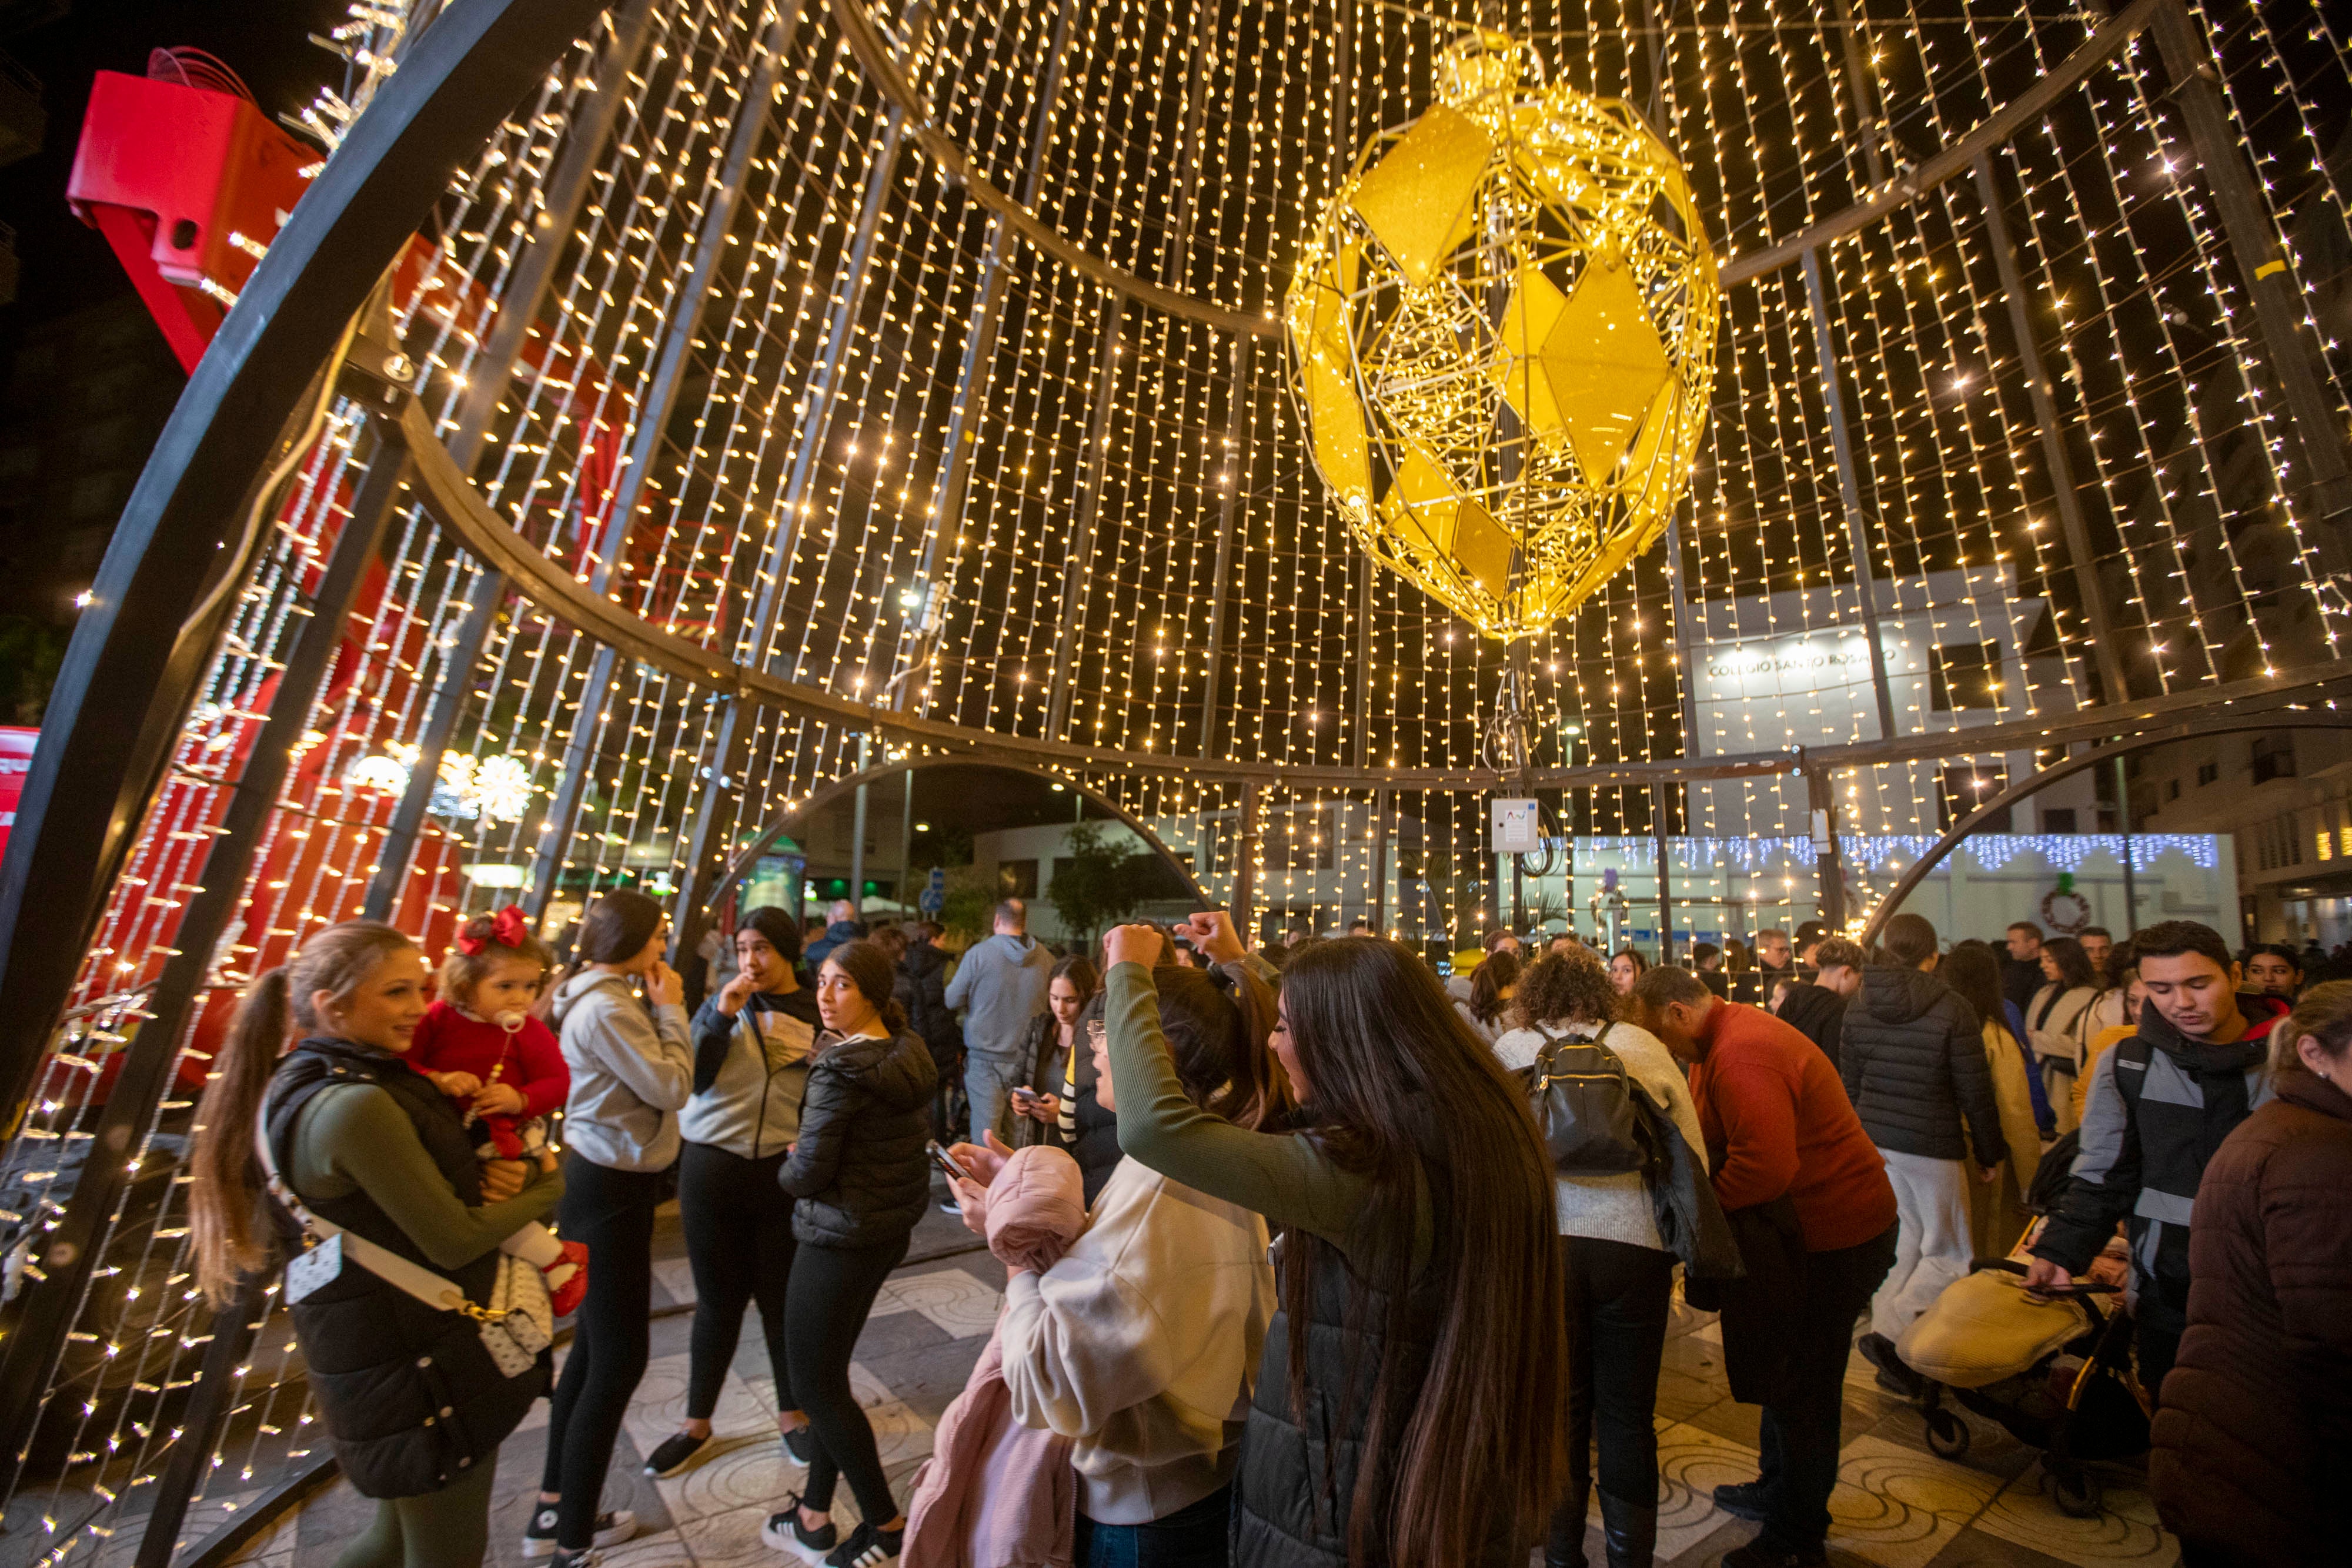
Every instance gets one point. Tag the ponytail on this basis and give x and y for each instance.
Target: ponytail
(221, 1206)
(223, 1190)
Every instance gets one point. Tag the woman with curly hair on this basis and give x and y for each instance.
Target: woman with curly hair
(1620, 1276)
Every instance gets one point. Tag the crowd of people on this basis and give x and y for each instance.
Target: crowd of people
(1313, 1256)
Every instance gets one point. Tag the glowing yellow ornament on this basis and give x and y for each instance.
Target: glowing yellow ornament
(1503, 339)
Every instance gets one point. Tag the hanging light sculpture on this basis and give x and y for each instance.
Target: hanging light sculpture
(1503, 339)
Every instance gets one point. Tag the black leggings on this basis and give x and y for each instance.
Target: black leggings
(832, 1291)
(1618, 1297)
(739, 1241)
(612, 1212)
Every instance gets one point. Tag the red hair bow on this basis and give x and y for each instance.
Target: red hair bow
(510, 927)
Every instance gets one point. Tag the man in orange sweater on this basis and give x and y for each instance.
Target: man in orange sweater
(1778, 1127)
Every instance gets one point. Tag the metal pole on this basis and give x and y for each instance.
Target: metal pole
(487, 386)
(858, 853)
(1665, 886)
(2123, 826)
(1829, 867)
(1381, 799)
(1865, 106)
(644, 446)
(1850, 488)
(971, 376)
(714, 818)
(906, 838)
(1236, 442)
(1684, 677)
(1245, 862)
(69, 1255)
(1078, 576)
(2106, 647)
(2315, 424)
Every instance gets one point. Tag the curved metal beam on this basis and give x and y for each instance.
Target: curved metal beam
(1954, 161)
(2233, 723)
(461, 510)
(825, 794)
(134, 662)
(873, 55)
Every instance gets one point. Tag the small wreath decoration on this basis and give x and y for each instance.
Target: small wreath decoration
(2064, 897)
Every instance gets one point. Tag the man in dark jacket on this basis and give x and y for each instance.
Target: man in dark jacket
(1816, 1009)
(1914, 1065)
(2157, 1106)
(2021, 966)
(845, 927)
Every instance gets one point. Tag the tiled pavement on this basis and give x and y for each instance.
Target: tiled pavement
(1896, 1504)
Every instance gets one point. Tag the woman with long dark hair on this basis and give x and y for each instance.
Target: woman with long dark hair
(1620, 1279)
(861, 1179)
(752, 1040)
(1492, 984)
(1407, 1410)
(1042, 1100)
(632, 1069)
(414, 1407)
(1997, 1209)
(2053, 1019)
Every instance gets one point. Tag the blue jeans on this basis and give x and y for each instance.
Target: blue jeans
(989, 1083)
(1194, 1537)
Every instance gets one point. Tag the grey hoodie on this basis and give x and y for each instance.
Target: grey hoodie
(631, 1072)
(1001, 982)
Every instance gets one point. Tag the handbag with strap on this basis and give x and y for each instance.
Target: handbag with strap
(1583, 1102)
(518, 1324)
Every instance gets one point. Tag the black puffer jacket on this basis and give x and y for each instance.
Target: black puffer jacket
(1818, 1013)
(1913, 1066)
(858, 1168)
(927, 967)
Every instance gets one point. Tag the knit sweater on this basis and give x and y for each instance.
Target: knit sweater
(1776, 1119)
(1139, 1345)
(1614, 1206)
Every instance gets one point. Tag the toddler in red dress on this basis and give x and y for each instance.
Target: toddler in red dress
(481, 1047)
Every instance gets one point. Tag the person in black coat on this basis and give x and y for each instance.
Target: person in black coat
(859, 1173)
(1816, 1009)
(1914, 1065)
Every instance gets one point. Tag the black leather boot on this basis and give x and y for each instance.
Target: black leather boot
(1565, 1549)
(1630, 1529)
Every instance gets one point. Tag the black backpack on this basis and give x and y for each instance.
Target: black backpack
(1583, 1102)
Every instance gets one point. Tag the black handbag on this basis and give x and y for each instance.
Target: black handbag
(1583, 1103)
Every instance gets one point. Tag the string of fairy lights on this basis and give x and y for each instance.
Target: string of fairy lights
(905, 457)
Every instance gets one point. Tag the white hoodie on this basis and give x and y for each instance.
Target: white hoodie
(631, 1071)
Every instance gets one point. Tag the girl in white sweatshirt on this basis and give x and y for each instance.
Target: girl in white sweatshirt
(1139, 1345)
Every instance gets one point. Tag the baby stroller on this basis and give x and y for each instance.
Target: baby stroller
(2073, 1400)
(2055, 1369)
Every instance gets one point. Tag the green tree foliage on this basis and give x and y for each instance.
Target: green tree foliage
(1097, 880)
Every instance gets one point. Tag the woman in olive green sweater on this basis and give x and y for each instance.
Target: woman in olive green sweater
(1407, 1405)
(414, 1407)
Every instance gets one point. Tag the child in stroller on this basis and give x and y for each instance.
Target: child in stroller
(2055, 1369)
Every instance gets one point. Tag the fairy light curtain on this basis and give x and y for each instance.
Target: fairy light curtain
(965, 480)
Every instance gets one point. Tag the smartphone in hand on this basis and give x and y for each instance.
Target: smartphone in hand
(951, 1167)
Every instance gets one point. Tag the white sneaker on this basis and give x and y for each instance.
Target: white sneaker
(539, 1535)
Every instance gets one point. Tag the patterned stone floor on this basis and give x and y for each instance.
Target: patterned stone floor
(1897, 1505)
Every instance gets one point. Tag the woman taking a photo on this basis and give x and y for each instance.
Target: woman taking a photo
(2053, 1019)
(1620, 1277)
(752, 1047)
(632, 1069)
(862, 1179)
(372, 1147)
(1407, 1408)
(1139, 1344)
(1042, 1101)
(2251, 1441)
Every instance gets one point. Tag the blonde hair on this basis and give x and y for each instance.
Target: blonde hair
(223, 1190)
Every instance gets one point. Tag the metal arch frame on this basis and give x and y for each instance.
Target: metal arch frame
(135, 660)
(2194, 729)
(826, 794)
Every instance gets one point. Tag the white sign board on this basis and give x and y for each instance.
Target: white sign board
(1517, 828)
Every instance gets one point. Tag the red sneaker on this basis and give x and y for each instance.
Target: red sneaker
(567, 1278)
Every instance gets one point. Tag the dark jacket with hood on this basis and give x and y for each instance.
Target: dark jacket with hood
(926, 968)
(2255, 1433)
(411, 1399)
(2157, 1108)
(859, 1168)
(1816, 1012)
(839, 932)
(1914, 1065)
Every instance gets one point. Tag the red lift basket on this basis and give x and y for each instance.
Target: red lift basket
(168, 174)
